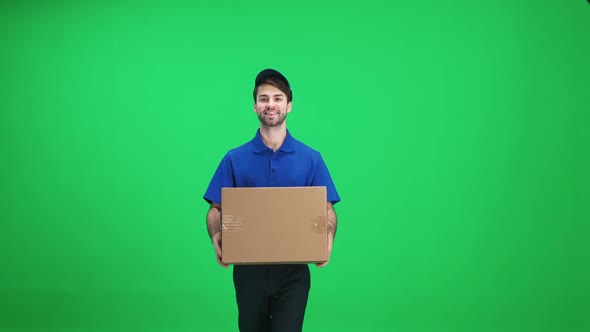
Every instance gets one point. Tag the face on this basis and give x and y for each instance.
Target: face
(271, 106)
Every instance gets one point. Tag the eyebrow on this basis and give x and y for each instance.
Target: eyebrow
(276, 95)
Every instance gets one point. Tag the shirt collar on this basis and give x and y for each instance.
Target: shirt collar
(259, 147)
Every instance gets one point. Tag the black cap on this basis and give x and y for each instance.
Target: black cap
(268, 73)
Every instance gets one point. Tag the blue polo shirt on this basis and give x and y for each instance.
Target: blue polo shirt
(253, 164)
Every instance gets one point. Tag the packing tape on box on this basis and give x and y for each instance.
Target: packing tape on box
(319, 225)
(230, 223)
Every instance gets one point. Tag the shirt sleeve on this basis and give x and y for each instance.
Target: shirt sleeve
(322, 177)
(222, 178)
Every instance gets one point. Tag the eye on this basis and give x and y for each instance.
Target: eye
(278, 99)
(263, 99)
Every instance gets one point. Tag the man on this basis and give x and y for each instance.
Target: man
(270, 297)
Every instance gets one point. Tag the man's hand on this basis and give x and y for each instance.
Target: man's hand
(214, 229)
(216, 239)
(332, 226)
(330, 243)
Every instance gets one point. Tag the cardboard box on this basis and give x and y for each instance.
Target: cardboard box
(277, 225)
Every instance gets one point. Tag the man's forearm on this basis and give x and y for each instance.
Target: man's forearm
(332, 220)
(214, 220)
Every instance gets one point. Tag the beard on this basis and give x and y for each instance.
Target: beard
(277, 121)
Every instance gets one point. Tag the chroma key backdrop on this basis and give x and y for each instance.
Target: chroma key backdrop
(456, 133)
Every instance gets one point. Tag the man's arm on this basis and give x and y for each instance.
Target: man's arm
(214, 230)
(332, 221)
(214, 219)
(332, 227)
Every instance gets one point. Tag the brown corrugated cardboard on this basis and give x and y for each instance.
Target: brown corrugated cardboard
(274, 225)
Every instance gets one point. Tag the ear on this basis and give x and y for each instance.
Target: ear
(289, 105)
(254, 107)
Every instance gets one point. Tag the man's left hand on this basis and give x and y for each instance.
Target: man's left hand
(330, 243)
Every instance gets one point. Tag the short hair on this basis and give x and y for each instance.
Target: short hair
(277, 83)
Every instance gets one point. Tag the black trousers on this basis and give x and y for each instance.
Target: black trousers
(271, 298)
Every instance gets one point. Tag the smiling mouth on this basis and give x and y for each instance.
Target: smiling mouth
(271, 113)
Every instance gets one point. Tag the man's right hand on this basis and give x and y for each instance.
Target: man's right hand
(216, 239)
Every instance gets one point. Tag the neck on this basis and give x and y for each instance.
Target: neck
(273, 137)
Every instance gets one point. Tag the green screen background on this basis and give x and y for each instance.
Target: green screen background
(456, 133)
